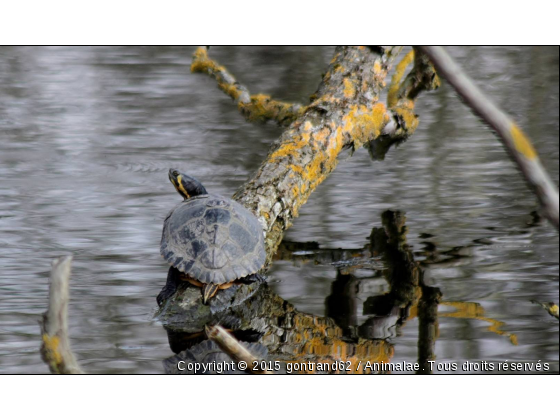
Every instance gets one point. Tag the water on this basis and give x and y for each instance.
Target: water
(86, 139)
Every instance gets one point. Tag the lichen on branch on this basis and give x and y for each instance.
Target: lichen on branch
(345, 113)
(517, 144)
(401, 100)
(55, 348)
(256, 108)
(402, 94)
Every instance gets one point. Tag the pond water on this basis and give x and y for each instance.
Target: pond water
(87, 136)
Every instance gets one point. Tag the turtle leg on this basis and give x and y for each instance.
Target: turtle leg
(192, 281)
(208, 291)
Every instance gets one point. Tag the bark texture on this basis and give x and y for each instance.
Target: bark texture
(345, 113)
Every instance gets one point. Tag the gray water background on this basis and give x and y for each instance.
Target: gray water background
(87, 136)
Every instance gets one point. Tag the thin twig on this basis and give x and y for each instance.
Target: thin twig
(55, 348)
(253, 107)
(515, 141)
(233, 348)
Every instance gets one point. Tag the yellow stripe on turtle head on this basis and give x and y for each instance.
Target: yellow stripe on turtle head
(180, 187)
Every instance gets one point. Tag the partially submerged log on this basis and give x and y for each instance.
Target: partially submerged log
(345, 113)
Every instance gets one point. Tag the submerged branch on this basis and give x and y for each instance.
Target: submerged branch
(515, 141)
(253, 107)
(55, 348)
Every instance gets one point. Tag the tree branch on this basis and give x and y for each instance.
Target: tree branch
(346, 113)
(233, 348)
(254, 108)
(401, 101)
(515, 141)
(55, 348)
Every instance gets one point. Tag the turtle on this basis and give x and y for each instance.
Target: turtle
(214, 241)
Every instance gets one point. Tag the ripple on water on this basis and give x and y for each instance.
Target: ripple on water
(88, 135)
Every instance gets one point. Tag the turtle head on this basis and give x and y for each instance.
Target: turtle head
(186, 185)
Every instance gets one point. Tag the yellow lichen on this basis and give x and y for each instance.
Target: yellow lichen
(409, 120)
(263, 108)
(363, 124)
(314, 171)
(51, 344)
(349, 89)
(320, 341)
(471, 310)
(322, 134)
(231, 90)
(200, 60)
(201, 63)
(397, 77)
(290, 147)
(258, 108)
(296, 191)
(522, 143)
(464, 309)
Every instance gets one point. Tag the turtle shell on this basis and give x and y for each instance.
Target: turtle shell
(213, 239)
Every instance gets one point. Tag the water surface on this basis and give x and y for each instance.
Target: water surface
(86, 139)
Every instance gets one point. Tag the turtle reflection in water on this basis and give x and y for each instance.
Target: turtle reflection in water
(213, 240)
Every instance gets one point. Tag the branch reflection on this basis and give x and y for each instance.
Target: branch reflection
(255, 314)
